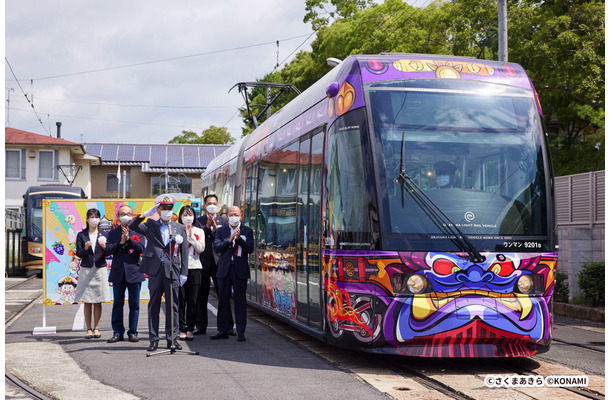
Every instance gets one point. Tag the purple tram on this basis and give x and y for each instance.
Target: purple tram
(403, 204)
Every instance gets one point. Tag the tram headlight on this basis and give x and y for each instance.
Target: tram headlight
(525, 284)
(417, 284)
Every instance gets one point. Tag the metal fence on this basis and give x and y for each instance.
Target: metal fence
(580, 199)
(13, 229)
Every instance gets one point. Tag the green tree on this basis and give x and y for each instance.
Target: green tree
(561, 46)
(323, 12)
(212, 135)
(560, 43)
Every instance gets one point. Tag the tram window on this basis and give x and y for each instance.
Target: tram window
(286, 197)
(277, 197)
(490, 134)
(348, 200)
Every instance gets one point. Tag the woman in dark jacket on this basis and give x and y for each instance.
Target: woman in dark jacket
(92, 288)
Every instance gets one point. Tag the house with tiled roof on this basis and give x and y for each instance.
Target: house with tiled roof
(32, 159)
(150, 169)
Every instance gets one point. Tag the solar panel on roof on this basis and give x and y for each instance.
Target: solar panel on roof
(206, 155)
(157, 156)
(93, 149)
(125, 152)
(109, 152)
(141, 153)
(174, 156)
(190, 156)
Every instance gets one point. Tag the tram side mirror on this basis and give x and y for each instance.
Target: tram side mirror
(332, 90)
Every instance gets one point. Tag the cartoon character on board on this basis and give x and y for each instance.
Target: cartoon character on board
(66, 289)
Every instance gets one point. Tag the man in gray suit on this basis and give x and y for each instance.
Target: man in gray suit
(165, 260)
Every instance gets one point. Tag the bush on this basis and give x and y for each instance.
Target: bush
(562, 292)
(591, 281)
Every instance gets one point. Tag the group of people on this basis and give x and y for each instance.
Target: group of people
(179, 259)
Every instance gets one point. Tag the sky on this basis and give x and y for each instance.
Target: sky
(141, 71)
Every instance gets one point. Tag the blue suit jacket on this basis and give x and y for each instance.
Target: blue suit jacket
(227, 250)
(155, 249)
(89, 259)
(125, 257)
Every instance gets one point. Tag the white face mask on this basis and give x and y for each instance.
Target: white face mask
(94, 222)
(188, 220)
(212, 208)
(166, 215)
(443, 180)
(124, 219)
(234, 220)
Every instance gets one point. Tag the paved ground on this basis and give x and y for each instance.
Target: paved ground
(65, 365)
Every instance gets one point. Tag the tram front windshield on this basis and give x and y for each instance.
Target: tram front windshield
(34, 214)
(475, 150)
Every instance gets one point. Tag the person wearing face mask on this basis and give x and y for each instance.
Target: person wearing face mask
(165, 260)
(92, 288)
(209, 222)
(190, 291)
(445, 174)
(125, 247)
(233, 242)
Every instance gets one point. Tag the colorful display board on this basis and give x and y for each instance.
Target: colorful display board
(62, 220)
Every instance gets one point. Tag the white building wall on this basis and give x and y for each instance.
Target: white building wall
(15, 189)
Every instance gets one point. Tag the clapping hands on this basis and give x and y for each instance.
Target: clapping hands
(235, 235)
(124, 235)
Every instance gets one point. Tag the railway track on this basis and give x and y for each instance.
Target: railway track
(18, 299)
(460, 379)
(398, 377)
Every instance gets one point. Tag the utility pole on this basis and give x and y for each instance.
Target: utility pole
(166, 177)
(8, 105)
(502, 32)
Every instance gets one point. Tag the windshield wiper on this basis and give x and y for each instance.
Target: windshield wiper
(433, 211)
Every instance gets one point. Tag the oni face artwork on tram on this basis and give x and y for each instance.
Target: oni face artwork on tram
(468, 309)
(62, 220)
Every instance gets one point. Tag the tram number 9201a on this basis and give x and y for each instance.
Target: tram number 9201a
(522, 245)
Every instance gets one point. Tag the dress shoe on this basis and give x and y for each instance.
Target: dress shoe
(199, 332)
(241, 337)
(231, 332)
(189, 336)
(154, 345)
(115, 338)
(220, 335)
(182, 336)
(133, 338)
(177, 345)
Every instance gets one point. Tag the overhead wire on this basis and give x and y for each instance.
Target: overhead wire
(164, 59)
(418, 9)
(25, 95)
(127, 105)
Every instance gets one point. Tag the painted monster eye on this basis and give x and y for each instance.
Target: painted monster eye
(502, 268)
(445, 267)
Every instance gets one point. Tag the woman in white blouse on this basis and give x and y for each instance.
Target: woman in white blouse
(190, 291)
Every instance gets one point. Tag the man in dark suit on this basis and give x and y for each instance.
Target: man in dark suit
(125, 247)
(209, 222)
(233, 242)
(165, 260)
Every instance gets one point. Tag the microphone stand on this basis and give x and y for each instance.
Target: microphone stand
(172, 349)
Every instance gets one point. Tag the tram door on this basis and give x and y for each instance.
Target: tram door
(309, 200)
(250, 220)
